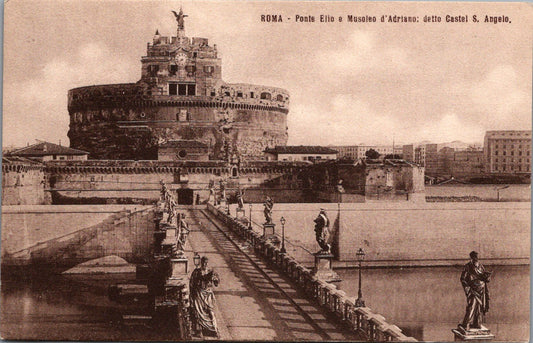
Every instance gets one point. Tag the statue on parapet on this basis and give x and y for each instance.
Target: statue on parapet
(163, 190)
(203, 299)
(474, 280)
(268, 205)
(171, 211)
(240, 199)
(183, 232)
(222, 189)
(322, 232)
(212, 197)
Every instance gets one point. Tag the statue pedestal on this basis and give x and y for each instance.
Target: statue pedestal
(171, 232)
(482, 334)
(180, 267)
(240, 213)
(223, 203)
(323, 270)
(269, 230)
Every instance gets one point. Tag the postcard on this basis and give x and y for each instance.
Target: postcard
(267, 170)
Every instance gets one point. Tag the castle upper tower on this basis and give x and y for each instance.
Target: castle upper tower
(180, 66)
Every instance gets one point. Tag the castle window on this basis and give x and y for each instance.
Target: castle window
(251, 95)
(194, 54)
(182, 89)
(191, 89)
(173, 69)
(279, 97)
(208, 69)
(239, 94)
(172, 89)
(153, 69)
(213, 93)
(266, 96)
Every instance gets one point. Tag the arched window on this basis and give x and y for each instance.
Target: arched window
(279, 97)
(266, 96)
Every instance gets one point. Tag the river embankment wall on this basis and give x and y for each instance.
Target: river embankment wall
(70, 234)
(412, 234)
(518, 192)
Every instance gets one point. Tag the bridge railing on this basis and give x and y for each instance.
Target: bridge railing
(360, 319)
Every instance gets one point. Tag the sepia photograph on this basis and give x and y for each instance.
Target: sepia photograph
(266, 171)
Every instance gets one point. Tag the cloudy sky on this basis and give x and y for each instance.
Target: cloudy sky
(350, 83)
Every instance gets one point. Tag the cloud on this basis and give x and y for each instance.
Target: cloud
(363, 53)
(498, 100)
(37, 107)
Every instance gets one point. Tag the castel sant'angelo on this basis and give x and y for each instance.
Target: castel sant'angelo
(180, 96)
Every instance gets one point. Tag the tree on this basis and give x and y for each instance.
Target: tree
(372, 154)
(392, 157)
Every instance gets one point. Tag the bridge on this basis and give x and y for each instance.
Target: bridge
(264, 294)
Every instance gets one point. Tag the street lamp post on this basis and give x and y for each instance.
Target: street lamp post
(282, 220)
(359, 302)
(499, 189)
(250, 221)
(196, 259)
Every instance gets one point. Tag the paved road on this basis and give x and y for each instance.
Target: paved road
(255, 302)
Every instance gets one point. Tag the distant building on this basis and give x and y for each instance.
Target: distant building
(179, 150)
(468, 162)
(390, 179)
(300, 153)
(408, 152)
(431, 159)
(507, 152)
(45, 151)
(355, 152)
(346, 151)
(445, 158)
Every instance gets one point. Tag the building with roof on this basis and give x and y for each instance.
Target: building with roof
(507, 152)
(179, 150)
(181, 95)
(46, 151)
(300, 153)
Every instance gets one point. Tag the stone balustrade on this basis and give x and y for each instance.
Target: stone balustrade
(361, 319)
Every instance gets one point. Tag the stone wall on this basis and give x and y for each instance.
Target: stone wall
(140, 180)
(23, 185)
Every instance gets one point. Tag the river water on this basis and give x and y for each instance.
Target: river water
(425, 303)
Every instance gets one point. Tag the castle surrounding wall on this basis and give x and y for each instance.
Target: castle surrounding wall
(23, 184)
(131, 181)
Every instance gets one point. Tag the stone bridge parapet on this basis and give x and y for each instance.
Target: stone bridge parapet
(372, 325)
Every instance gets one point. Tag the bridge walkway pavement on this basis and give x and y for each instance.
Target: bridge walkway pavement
(254, 301)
